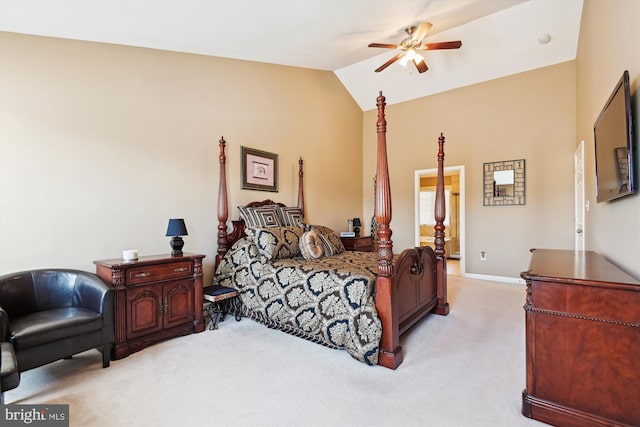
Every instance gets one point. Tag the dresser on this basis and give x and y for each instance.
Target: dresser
(582, 341)
(157, 297)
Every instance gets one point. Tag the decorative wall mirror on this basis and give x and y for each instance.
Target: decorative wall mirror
(504, 183)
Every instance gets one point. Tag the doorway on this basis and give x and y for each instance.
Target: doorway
(454, 218)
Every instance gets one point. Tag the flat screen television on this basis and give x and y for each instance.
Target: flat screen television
(613, 136)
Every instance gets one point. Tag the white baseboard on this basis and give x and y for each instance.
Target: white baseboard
(516, 280)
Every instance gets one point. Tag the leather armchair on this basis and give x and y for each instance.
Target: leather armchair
(53, 314)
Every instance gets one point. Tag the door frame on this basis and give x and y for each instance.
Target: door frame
(428, 173)
(579, 204)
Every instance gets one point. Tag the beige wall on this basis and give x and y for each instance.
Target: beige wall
(527, 116)
(101, 144)
(609, 44)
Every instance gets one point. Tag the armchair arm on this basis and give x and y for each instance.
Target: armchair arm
(4, 325)
(93, 293)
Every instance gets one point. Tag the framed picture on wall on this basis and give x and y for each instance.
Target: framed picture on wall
(259, 170)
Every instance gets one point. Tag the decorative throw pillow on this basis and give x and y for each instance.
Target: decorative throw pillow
(330, 240)
(276, 242)
(311, 245)
(260, 217)
(291, 216)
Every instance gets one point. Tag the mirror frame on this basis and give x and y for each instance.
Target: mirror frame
(518, 198)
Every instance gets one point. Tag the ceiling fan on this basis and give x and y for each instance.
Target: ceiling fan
(411, 44)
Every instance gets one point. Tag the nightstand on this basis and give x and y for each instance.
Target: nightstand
(156, 297)
(362, 243)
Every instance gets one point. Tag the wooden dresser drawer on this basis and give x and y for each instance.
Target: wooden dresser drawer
(152, 273)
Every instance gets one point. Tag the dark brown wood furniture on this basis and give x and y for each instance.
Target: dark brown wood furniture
(582, 341)
(407, 288)
(157, 297)
(362, 243)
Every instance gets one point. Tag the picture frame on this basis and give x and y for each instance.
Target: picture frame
(504, 183)
(259, 170)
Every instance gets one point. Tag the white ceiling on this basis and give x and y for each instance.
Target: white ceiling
(499, 37)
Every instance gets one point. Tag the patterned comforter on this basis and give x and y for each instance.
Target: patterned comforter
(328, 300)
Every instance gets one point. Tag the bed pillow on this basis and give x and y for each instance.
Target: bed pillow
(291, 216)
(261, 217)
(311, 245)
(276, 242)
(330, 240)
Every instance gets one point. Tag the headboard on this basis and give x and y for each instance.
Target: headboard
(225, 239)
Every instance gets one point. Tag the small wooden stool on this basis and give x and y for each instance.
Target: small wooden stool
(221, 299)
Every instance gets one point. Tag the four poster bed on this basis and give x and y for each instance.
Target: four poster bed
(298, 278)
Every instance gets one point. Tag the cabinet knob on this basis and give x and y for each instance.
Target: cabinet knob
(180, 269)
(138, 275)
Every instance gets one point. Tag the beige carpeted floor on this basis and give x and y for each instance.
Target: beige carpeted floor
(466, 369)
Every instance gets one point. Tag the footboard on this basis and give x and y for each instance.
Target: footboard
(415, 289)
(416, 282)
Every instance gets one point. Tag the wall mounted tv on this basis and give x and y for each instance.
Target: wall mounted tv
(613, 136)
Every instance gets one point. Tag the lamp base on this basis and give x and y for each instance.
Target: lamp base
(176, 246)
(356, 230)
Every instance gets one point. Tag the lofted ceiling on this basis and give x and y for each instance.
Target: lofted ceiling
(499, 37)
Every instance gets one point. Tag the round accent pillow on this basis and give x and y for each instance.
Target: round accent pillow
(311, 245)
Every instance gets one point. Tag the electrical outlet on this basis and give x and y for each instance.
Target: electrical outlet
(483, 256)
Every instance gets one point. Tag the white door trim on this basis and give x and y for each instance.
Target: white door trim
(578, 197)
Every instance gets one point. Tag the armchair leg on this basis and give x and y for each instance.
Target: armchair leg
(106, 355)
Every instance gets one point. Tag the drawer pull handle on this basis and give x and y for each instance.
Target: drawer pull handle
(139, 275)
(180, 269)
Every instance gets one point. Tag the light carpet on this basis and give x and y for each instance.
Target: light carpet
(465, 369)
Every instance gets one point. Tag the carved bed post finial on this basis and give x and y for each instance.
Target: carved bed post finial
(223, 204)
(300, 186)
(383, 196)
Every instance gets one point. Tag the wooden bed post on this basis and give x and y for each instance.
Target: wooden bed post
(440, 212)
(390, 350)
(223, 205)
(300, 187)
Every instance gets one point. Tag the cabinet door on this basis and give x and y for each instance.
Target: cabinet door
(144, 310)
(178, 303)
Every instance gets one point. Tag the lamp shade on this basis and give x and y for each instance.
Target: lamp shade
(356, 222)
(177, 227)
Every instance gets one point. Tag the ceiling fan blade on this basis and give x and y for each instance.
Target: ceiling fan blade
(389, 46)
(421, 31)
(420, 65)
(442, 45)
(389, 62)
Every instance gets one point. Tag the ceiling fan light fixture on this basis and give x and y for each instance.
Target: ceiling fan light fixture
(409, 54)
(409, 45)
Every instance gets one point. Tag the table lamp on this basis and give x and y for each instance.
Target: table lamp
(175, 229)
(356, 226)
